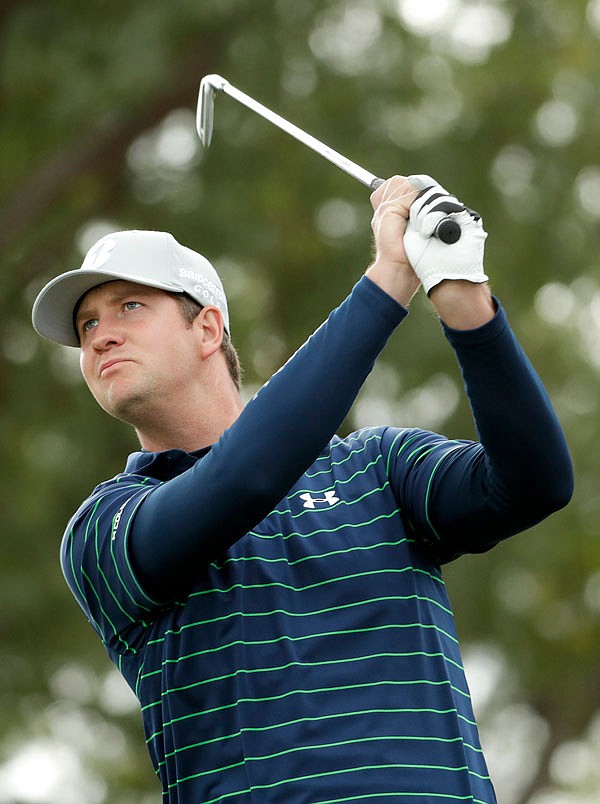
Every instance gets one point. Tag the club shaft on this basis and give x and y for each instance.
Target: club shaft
(358, 172)
(447, 230)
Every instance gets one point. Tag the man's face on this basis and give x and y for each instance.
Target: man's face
(137, 351)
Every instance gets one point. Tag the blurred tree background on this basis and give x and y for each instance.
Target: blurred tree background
(500, 101)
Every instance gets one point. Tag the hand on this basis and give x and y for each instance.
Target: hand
(391, 204)
(432, 259)
(391, 269)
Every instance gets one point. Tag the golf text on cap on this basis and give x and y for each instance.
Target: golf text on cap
(204, 287)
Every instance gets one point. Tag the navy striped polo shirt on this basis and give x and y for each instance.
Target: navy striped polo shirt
(315, 660)
(311, 656)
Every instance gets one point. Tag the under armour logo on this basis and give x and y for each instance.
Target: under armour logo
(310, 502)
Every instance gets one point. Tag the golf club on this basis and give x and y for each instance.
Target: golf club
(448, 231)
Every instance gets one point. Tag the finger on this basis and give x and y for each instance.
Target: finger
(431, 206)
(395, 198)
(389, 222)
(421, 181)
(396, 187)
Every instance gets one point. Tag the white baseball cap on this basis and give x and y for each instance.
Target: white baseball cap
(154, 259)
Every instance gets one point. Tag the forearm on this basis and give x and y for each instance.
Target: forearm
(523, 472)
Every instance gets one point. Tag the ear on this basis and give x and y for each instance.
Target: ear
(209, 329)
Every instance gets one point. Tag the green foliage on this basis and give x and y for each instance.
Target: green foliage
(97, 133)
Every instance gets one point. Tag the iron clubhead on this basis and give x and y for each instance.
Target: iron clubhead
(205, 112)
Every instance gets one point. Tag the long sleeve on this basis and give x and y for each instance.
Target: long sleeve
(465, 496)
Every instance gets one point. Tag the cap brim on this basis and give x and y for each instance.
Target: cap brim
(52, 313)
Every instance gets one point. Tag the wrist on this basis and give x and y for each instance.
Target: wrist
(461, 304)
(396, 279)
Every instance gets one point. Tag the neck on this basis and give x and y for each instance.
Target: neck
(193, 427)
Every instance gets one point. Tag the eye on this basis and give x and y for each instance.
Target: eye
(132, 305)
(89, 324)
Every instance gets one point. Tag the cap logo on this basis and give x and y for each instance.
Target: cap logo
(99, 254)
(204, 287)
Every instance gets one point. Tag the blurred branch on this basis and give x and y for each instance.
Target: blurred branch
(99, 152)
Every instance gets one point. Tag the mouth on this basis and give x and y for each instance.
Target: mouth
(110, 364)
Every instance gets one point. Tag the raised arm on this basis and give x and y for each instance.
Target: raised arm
(467, 496)
(256, 461)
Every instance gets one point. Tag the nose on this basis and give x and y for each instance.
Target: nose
(106, 334)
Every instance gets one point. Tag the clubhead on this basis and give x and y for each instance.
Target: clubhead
(205, 113)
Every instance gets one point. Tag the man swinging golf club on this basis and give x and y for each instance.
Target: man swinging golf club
(273, 593)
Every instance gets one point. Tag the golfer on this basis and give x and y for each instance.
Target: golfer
(273, 593)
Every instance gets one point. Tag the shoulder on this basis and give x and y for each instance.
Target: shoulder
(380, 438)
(95, 561)
(100, 513)
(368, 439)
(363, 447)
(377, 439)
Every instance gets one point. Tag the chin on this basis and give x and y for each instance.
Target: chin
(128, 409)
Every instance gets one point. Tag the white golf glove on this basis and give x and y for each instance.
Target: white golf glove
(432, 259)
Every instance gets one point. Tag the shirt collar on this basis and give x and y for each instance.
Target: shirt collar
(162, 465)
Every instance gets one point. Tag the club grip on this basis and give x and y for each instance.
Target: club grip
(376, 183)
(448, 231)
